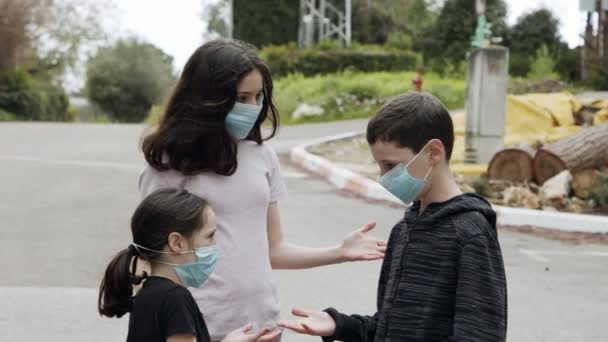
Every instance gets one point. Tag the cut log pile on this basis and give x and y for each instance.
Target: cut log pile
(580, 153)
(571, 165)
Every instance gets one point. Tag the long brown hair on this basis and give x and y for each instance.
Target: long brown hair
(191, 136)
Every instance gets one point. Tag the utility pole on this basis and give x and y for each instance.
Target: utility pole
(330, 22)
(230, 18)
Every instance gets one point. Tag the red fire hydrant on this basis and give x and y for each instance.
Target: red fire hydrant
(417, 82)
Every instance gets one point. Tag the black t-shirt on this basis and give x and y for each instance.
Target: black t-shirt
(162, 309)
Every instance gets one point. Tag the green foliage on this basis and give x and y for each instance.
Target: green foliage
(566, 63)
(449, 39)
(215, 17)
(324, 59)
(7, 116)
(600, 192)
(519, 64)
(125, 80)
(266, 22)
(543, 66)
(375, 21)
(32, 99)
(533, 31)
(599, 80)
(399, 41)
(72, 113)
(355, 94)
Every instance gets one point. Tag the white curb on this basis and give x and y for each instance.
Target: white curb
(362, 186)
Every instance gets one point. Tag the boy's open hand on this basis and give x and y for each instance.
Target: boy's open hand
(311, 323)
(358, 246)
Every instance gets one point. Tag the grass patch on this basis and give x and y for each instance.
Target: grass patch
(351, 95)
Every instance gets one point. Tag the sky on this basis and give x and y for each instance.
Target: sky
(178, 29)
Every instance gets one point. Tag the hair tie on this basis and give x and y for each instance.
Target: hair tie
(133, 250)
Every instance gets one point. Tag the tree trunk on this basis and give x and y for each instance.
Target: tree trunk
(585, 150)
(512, 164)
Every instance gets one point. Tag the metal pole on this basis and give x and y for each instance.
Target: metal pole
(301, 26)
(348, 7)
(230, 18)
(322, 20)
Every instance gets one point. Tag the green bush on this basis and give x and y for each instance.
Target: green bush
(6, 116)
(599, 80)
(328, 58)
(127, 79)
(543, 66)
(32, 99)
(399, 41)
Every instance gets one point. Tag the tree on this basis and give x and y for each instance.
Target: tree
(216, 17)
(266, 22)
(126, 79)
(46, 37)
(448, 40)
(531, 32)
(374, 21)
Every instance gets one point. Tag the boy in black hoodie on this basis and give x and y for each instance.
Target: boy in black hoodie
(443, 276)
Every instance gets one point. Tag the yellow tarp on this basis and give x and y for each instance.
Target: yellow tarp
(533, 117)
(601, 116)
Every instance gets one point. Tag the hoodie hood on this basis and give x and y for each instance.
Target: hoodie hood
(435, 213)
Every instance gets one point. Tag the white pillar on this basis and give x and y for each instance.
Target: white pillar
(486, 103)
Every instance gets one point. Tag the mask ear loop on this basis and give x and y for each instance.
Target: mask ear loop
(428, 173)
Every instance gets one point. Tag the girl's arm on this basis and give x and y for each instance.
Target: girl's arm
(357, 246)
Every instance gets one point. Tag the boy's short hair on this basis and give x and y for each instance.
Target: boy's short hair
(411, 120)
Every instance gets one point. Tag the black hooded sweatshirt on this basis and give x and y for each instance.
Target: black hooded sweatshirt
(443, 279)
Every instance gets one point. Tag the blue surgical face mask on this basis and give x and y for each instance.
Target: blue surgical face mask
(242, 118)
(400, 183)
(194, 274)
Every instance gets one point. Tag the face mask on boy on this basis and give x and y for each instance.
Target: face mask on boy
(400, 183)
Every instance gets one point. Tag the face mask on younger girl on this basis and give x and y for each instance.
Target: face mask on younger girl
(193, 274)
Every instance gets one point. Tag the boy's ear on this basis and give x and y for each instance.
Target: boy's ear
(436, 151)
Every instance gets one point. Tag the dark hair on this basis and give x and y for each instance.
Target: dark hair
(411, 120)
(192, 133)
(159, 214)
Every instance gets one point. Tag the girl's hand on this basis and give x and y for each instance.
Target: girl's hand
(358, 246)
(311, 323)
(244, 335)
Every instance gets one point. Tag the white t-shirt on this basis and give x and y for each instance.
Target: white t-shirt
(241, 289)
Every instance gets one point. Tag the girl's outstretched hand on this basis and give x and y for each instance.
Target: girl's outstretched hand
(359, 246)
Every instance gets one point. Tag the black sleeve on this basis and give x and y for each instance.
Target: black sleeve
(353, 328)
(480, 312)
(363, 328)
(178, 314)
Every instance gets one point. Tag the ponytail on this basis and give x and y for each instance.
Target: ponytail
(116, 289)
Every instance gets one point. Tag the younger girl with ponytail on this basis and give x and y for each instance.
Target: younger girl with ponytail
(174, 231)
